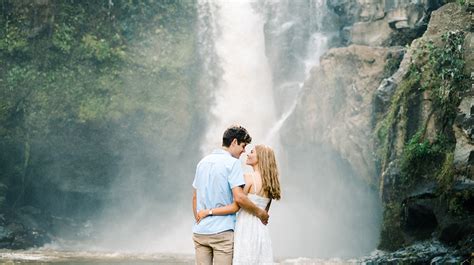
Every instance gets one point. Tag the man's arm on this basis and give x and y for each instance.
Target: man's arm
(241, 199)
(194, 205)
(223, 210)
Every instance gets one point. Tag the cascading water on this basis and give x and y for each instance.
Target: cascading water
(280, 19)
(244, 94)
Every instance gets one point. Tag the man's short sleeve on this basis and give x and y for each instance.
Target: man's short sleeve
(236, 176)
(195, 177)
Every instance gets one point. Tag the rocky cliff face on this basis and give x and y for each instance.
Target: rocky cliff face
(405, 126)
(336, 105)
(425, 137)
(377, 23)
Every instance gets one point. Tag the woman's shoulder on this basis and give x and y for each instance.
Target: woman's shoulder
(248, 177)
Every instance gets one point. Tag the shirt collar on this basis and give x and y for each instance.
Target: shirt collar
(221, 151)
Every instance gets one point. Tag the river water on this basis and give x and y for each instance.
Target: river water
(64, 257)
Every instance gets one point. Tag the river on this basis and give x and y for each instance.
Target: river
(47, 255)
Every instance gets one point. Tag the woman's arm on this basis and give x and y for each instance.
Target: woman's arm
(223, 210)
(230, 208)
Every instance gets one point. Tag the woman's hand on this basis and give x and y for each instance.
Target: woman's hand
(202, 214)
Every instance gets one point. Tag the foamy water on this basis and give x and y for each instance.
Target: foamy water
(54, 256)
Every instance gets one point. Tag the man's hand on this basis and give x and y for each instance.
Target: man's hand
(263, 216)
(202, 214)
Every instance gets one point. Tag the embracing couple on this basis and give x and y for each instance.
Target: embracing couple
(221, 189)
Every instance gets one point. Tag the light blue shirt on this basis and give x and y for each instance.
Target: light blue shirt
(216, 175)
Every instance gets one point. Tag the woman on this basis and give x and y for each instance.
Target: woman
(252, 244)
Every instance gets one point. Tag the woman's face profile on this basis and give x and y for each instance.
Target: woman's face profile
(252, 157)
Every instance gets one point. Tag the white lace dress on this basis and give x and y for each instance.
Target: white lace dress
(252, 244)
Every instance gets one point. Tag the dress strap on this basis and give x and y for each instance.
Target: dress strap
(254, 184)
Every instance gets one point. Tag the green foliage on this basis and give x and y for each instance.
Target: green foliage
(63, 37)
(443, 74)
(437, 69)
(396, 114)
(455, 200)
(446, 174)
(13, 39)
(77, 72)
(421, 158)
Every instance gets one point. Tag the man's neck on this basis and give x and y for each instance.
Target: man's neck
(227, 149)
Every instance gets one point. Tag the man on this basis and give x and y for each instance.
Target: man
(218, 182)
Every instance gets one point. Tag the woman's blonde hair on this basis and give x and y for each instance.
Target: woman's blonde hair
(269, 171)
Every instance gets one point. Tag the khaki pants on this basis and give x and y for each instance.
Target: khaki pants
(218, 247)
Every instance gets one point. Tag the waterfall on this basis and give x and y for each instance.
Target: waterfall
(256, 57)
(243, 95)
(315, 46)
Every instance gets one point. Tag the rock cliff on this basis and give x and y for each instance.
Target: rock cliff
(402, 117)
(387, 23)
(336, 103)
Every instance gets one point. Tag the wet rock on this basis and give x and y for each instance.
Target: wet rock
(446, 259)
(384, 94)
(466, 246)
(24, 228)
(465, 118)
(388, 23)
(454, 232)
(423, 191)
(425, 252)
(449, 17)
(336, 104)
(390, 177)
(28, 238)
(463, 152)
(374, 33)
(464, 133)
(420, 253)
(463, 184)
(419, 220)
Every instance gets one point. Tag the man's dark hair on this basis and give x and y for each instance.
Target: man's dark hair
(235, 132)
